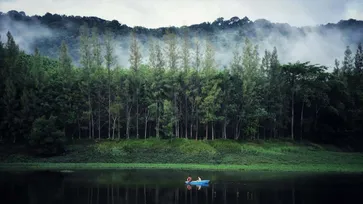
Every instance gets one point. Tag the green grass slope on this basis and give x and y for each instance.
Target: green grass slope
(191, 154)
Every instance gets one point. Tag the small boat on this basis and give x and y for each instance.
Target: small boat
(202, 182)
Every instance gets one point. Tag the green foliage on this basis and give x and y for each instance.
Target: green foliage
(46, 137)
(168, 119)
(179, 93)
(226, 146)
(184, 154)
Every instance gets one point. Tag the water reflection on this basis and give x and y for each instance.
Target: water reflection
(189, 187)
(115, 187)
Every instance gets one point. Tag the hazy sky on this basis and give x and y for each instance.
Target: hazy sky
(157, 13)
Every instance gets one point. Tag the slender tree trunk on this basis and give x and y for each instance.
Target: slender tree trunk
(236, 132)
(90, 114)
(186, 116)
(180, 123)
(225, 129)
(128, 123)
(191, 130)
(281, 119)
(137, 111)
(158, 121)
(176, 123)
(99, 115)
(93, 127)
(316, 117)
(128, 127)
(119, 128)
(302, 121)
(292, 115)
(180, 129)
(64, 130)
(239, 131)
(109, 101)
(79, 129)
(146, 120)
(113, 128)
(212, 130)
(206, 131)
(274, 127)
(197, 127)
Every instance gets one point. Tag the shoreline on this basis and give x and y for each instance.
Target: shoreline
(333, 168)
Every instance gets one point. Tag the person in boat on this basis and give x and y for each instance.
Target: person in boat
(189, 179)
(199, 179)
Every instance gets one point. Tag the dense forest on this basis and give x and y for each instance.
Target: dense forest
(176, 94)
(46, 33)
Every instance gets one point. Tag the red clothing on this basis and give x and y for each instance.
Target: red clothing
(189, 179)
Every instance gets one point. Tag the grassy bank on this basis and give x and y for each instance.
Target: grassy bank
(191, 154)
(255, 167)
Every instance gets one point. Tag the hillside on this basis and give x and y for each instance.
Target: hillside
(179, 94)
(190, 154)
(293, 43)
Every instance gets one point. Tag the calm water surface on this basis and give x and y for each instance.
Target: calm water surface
(167, 186)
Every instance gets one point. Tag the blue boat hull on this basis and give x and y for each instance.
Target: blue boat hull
(202, 182)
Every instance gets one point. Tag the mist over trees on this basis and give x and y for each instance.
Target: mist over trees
(294, 43)
(180, 92)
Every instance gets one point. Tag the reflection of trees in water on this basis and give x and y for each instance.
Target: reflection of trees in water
(56, 191)
(32, 188)
(48, 187)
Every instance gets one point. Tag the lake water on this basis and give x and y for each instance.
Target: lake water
(167, 186)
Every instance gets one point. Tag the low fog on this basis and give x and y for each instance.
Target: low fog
(298, 44)
(24, 34)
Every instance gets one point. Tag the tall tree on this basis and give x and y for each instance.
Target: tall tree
(160, 60)
(171, 50)
(65, 61)
(12, 79)
(198, 56)
(250, 63)
(209, 57)
(96, 49)
(185, 51)
(96, 67)
(86, 62)
(347, 65)
(236, 63)
(358, 60)
(135, 62)
(275, 101)
(186, 67)
(152, 54)
(110, 61)
(211, 91)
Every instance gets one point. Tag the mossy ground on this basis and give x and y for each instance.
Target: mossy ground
(191, 154)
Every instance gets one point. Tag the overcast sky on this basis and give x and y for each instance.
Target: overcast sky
(157, 13)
